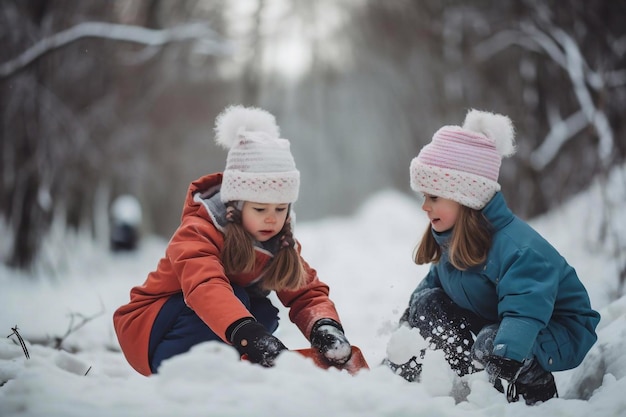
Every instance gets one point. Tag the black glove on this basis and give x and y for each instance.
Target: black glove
(327, 337)
(501, 367)
(252, 339)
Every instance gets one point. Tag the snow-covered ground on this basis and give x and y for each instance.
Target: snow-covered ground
(366, 259)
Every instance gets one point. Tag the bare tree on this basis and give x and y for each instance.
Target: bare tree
(572, 59)
(75, 96)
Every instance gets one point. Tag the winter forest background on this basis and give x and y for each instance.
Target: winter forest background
(102, 99)
(105, 98)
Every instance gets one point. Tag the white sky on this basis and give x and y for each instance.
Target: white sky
(288, 36)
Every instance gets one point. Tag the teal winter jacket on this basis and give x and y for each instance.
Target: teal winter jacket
(526, 286)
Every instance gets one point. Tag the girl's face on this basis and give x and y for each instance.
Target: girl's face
(263, 221)
(442, 212)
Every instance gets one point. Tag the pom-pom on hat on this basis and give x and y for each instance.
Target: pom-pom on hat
(463, 163)
(259, 166)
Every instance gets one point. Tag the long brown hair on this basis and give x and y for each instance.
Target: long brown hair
(285, 270)
(469, 244)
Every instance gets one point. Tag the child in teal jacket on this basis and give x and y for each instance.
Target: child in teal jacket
(498, 296)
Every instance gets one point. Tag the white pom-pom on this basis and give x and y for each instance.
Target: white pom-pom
(235, 119)
(496, 127)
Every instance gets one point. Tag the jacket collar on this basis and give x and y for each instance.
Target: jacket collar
(497, 212)
(214, 207)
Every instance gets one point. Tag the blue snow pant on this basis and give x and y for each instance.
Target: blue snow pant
(448, 327)
(177, 328)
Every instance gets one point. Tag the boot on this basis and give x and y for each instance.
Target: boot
(410, 370)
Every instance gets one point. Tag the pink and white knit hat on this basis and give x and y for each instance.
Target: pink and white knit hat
(259, 165)
(463, 163)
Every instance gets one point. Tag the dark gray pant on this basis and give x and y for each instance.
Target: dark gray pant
(448, 327)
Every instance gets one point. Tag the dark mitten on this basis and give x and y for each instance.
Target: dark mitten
(535, 384)
(501, 367)
(250, 338)
(327, 337)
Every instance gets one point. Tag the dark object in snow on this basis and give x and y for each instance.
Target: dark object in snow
(124, 237)
(535, 384)
(411, 370)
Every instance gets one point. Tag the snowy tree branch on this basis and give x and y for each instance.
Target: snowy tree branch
(501, 41)
(104, 30)
(560, 132)
(576, 68)
(563, 51)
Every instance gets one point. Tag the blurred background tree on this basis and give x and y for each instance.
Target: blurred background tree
(100, 99)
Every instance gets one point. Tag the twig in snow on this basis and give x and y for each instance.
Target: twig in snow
(22, 343)
(58, 341)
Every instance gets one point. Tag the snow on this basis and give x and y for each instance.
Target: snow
(366, 259)
(126, 209)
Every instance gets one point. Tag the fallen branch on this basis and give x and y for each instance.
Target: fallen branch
(58, 341)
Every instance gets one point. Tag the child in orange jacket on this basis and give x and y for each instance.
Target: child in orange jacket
(233, 247)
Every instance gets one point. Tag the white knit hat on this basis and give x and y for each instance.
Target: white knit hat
(463, 163)
(259, 166)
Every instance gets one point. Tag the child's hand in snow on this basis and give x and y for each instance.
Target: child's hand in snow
(327, 337)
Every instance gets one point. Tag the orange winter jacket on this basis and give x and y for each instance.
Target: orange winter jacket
(192, 265)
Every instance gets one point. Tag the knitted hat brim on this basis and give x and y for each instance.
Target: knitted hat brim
(260, 187)
(468, 189)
